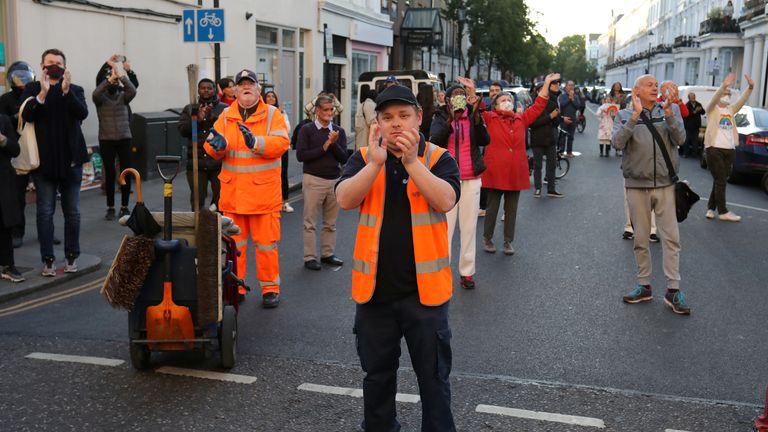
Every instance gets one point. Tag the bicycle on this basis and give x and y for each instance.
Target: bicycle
(211, 19)
(562, 165)
(582, 124)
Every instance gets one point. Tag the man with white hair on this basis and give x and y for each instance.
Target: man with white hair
(249, 138)
(649, 185)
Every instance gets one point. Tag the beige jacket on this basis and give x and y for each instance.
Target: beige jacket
(711, 134)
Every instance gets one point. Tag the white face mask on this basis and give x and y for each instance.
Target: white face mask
(505, 106)
(725, 100)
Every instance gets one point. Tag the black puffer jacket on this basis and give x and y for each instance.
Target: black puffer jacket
(441, 129)
(543, 129)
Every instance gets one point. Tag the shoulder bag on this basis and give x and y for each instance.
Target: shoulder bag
(29, 157)
(685, 197)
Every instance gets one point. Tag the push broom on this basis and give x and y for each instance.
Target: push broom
(135, 255)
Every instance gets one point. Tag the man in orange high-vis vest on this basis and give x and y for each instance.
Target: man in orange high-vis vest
(250, 137)
(401, 278)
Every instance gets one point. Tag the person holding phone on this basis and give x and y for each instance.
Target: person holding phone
(208, 109)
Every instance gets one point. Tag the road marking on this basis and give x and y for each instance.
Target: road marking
(674, 430)
(740, 205)
(194, 373)
(98, 361)
(358, 393)
(42, 301)
(539, 415)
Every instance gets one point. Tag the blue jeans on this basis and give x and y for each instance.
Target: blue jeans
(379, 328)
(70, 205)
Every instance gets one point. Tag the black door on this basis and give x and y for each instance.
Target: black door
(332, 83)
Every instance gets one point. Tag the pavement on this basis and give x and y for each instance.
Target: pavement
(93, 231)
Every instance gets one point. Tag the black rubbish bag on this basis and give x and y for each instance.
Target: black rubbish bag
(141, 221)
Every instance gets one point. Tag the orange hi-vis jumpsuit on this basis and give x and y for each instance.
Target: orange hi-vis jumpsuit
(250, 186)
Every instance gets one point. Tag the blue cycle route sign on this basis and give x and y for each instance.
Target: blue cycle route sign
(210, 25)
(188, 22)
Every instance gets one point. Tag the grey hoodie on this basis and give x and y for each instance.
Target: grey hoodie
(642, 163)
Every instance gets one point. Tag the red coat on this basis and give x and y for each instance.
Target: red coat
(505, 157)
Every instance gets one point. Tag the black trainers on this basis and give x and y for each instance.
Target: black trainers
(628, 235)
(123, 212)
(110, 216)
(537, 193)
(467, 282)
(12, 274)
(555, 194)
(270, 300)
(639, 294)
(676, 301)
(653, 238)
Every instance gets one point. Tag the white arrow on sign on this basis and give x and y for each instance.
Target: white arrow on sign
(189, 23)
(210, 34)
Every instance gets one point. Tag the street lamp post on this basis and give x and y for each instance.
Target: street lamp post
(462, 15)
(648, 69)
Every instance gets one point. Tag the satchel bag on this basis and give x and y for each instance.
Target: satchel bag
(29, 157)
(685, 197)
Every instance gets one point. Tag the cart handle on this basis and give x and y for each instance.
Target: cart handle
(136, 174)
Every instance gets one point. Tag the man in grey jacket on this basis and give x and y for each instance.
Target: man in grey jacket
(649, 186)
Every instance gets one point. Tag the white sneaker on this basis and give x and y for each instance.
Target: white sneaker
(212, 207)
(710, 214)
(287, 207)
(49, 269)
(71, 266)
(730, 217)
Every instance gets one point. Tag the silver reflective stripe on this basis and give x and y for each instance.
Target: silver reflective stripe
(239, 154)
(368, 220)
(242, 243)
(279, 133)
(428, 157)
(263, 284)
(361, 266)
(270, 112)
(430, 218)
(261, 145)
(432, 266)
(266, 248)
(251, 168)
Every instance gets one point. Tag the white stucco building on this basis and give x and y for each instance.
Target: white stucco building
(691, 41)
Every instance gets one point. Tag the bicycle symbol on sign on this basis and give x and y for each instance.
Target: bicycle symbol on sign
(210, 19)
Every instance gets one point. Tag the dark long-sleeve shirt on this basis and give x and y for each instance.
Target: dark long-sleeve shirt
(318, 162)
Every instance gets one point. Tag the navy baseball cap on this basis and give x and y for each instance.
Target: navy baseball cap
(245, 74)
(391, 78)
(396, 93)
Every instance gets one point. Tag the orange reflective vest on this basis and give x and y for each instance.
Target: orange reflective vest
(430, 240)
(250, 178)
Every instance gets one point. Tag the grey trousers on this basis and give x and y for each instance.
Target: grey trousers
(319, 194)
(662, 202)
(510, 213)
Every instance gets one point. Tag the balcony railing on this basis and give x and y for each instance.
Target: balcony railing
(719, 25)
(621, 61)
(753, 9)
(685, 42)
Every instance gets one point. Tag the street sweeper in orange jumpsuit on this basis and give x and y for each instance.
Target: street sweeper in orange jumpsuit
(250, 137)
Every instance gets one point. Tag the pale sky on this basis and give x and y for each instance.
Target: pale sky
(556, 19)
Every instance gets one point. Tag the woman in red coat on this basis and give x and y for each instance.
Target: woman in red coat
(507, 162)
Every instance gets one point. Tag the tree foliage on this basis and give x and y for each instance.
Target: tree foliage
(501, 33)
(571, 59)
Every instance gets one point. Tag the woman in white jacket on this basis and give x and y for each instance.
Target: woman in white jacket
(720, 141)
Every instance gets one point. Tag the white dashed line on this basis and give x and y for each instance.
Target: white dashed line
(674, 430)
(98, 361)
(218, 376)
(538, 415)
(346, 391)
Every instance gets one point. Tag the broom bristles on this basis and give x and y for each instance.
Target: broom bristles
(130, 267)
(208, 268)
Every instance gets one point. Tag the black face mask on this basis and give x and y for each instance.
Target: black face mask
(54, 71)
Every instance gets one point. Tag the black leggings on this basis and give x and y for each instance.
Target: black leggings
(108, 150)
(284, 175)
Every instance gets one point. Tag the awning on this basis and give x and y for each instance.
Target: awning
(422, 26)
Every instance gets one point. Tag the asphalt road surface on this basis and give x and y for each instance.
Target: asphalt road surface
(543, 344)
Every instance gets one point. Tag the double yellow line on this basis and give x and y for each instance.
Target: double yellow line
(42, 301)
